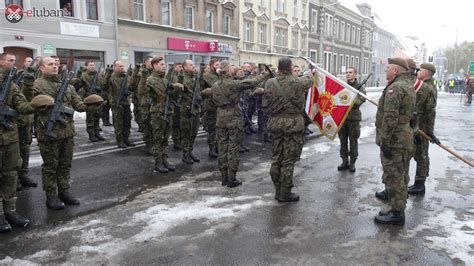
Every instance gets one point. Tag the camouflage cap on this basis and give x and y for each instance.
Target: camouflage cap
(93, 99)
(429, 67)
(399, 62)
(42, 100)
(411, 64)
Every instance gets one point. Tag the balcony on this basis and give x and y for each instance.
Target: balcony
(263, 48)
(249, 46)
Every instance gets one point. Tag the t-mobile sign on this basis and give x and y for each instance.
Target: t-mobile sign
(192, 45)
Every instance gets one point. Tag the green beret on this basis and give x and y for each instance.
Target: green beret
(399, 62)
(429, 67)
(411, 63)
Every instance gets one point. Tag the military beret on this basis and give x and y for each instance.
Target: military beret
(411, 63)
(93, 99)
(225, 64)
(42, 100)
(429, 67)
(399, 62)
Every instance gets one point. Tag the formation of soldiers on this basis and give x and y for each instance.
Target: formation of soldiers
(220, 96)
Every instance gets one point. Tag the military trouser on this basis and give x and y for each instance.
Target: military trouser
(136, 111)
(146, 126)
(251, 107)
(122, 120)
(265, 116)
(285, 152)
(92, 121)
(56, 168)
(396, 177)
(189, 127)
(209, 121)
(9, 160)
(161, 133)
(349, 135)
(25, 139)
(176, 129)
(422, 160)
(261, 119)
(105, 112)
(228, 141)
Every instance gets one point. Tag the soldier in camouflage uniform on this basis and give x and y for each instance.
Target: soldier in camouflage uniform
(350, 130)
(176, 77)
(121, 113)
(157, 86)
(9, 150)
(426, 98)
(286, 123)
(144, 104)
(189, 123)
(226, 94)
(132, 87)
(105, 113)
(469, 90)
(208, 107)
(394, 136)
(92, 117)
(57, 152)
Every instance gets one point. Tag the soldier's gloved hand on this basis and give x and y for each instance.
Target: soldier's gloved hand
(109, 70)
(28, 78)
(387, 152)
(259, 91)
(417, 139)
(434, 139)
(178, 86)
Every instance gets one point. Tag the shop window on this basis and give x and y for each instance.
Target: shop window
(67, 7)
(92, 9)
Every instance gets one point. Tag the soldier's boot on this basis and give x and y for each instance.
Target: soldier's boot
(25, 181)
(53, 203)
(187, 159)
(15, 220)
(68, 199)
(247, 130)
(121, 144)
(106, 123)
(383, 195)
(19, 187)
(232, 181)
(277, 191)
(307, 131)
(4, 225)
(344, 165)
(140, 129)
(224, 179)
(193, 157)
(160, 167)
(417, 189)
(352, 167)
(391, 217)
(212, 151)
(99, 136)
(128, 142)
(247, 149)
(288, 197)
(93, 138)
(267, 138)
(167, 164)
(252, 129)
(241, 148)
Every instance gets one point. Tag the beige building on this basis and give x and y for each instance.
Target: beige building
(271, 29)
(178, 30)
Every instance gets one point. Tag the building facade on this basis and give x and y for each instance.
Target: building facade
(271, 29)
(384, 47)
(181, 29)
(75, 30)
(340, 36)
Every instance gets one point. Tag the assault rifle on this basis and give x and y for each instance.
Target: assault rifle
(197, 99)
(93, 88)
(59, 110)
(6, 113)
(123, 87)
(169, 94)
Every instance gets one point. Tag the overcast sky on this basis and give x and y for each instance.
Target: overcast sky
(424, 19)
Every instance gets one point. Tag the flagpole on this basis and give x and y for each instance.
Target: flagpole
(347, 86)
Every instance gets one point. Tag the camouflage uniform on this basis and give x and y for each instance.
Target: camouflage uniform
(176, 77)
(121, 113)
(92, 117)
(470, 88)
(133, 85)
(9, 149)
(56, 153)
(286, 125)
(350, 130)
(189, 123)
(144, 108)
(393, 131)
(426, 99)
(226, 93)
(266, 99)
(209, 109)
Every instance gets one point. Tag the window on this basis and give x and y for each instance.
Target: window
(348, 33)
(262, 34)
(341, 63)
(352, 62)
(343, 31)
(227, 22)
(262, 4)
(353, 34)
(336, 29)
(189, 17)
(91, 8)
(248, 31)
(281, 37)
(209, 21)
(303, 42)
(281, 6)
(366, 65)
(295, 4)
(346, 62)
(165, 12)
(357, 66)
(327, 61)
(303, 11)
(328, 24)
(358, 36)
(16, 2)
(334, 62)
(314, 21)
(313, 54)
(66, 7)
(294, 38)
(138, 10)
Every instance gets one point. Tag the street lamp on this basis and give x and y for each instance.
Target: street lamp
(321, 27)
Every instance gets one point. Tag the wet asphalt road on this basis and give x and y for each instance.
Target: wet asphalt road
(131, 215)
